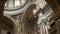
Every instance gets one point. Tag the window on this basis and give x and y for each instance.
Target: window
(17, 3)
(6, 4)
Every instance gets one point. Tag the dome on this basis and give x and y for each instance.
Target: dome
(14, 4)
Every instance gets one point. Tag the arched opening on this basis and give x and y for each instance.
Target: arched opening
(6, 24)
